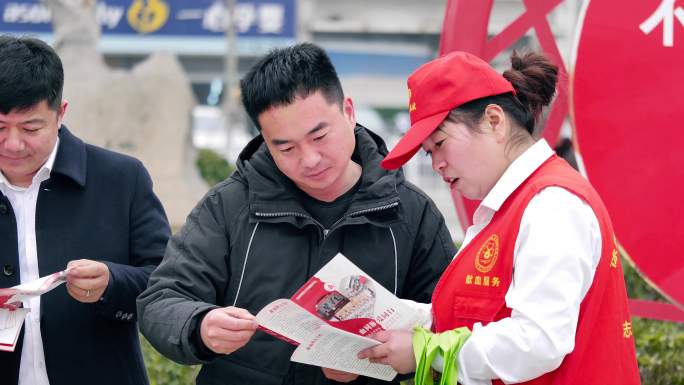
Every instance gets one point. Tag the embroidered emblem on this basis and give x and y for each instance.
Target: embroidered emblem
(486, 256)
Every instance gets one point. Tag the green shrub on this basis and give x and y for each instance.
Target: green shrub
(162, 371)
(637, 287)
(213, 167)
(660, 351)
(659, 344)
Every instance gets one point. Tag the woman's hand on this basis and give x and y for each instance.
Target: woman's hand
(396, 350)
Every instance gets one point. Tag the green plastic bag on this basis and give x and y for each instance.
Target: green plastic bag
(426, 346)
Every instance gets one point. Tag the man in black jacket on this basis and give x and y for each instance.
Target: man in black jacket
(68, 205)
(308, 187)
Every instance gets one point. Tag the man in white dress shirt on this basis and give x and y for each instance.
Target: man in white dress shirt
(68, 205)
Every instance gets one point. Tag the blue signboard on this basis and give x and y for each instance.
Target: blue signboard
(192, 18)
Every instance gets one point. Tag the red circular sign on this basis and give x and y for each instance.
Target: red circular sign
(628, 103)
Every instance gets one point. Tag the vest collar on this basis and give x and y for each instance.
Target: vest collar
(519, 170)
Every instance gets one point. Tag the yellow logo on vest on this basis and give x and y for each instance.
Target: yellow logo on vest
(146, 16)
(627, 329)
(482, 280)
(487, 255)
(412, 105)
(614, 259)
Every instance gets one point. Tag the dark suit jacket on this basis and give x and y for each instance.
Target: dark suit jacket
(96, 205)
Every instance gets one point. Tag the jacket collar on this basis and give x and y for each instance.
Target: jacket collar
(271, 191)
(71, 157)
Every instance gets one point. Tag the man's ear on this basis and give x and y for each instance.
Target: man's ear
(348, 111)
(61, 112)
(496, 121)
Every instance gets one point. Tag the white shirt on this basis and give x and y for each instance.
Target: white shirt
(32, 369)
(556, 254)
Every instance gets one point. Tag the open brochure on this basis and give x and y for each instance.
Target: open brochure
(12, 315)
(333, 314)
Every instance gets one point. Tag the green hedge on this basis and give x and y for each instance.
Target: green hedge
(213, 167)
(163, 371)
(660, 345)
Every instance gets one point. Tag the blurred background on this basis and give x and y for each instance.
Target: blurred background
(158, 79)
(374, 45)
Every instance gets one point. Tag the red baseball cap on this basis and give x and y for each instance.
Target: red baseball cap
(436, 88)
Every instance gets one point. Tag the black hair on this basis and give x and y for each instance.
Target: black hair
(30, 72)
(287, 73)
(534, 79)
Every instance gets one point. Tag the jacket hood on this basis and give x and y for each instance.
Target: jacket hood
(271, 191)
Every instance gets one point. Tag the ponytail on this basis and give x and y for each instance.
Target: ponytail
(533, 77)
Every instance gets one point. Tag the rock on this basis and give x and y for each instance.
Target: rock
(144, 112)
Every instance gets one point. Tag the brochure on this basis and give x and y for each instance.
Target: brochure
(12, 315)
(10, 326)
(332, 316)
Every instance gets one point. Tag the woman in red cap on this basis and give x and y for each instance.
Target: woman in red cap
(536, 293)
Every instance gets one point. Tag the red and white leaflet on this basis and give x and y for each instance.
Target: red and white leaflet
(347, 298)
(332, 315)
(10, 326)
(317, 342)
(337, 349)
(12, 315)
(11, 297)
(286, 320)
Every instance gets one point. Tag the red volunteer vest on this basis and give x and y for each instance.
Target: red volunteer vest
(473, 287)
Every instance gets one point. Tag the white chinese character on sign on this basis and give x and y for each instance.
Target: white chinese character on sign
(665, 14)
(271, 18)
(245, 16)
(215, 18)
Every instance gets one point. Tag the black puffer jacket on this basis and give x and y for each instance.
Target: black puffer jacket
(249, 242)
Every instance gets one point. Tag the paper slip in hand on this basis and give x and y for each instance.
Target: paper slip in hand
(10, 326)
(319, 343)
(332, 315)
(284, 318)
(14, 295)
(12, 315)
(337, 349)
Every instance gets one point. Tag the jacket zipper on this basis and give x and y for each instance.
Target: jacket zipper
(365, 211)
(292, 214)
(324, 230)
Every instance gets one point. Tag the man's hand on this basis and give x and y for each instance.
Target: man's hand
(338, 375)
(396, 350)
(227, 329)
(87, 280)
